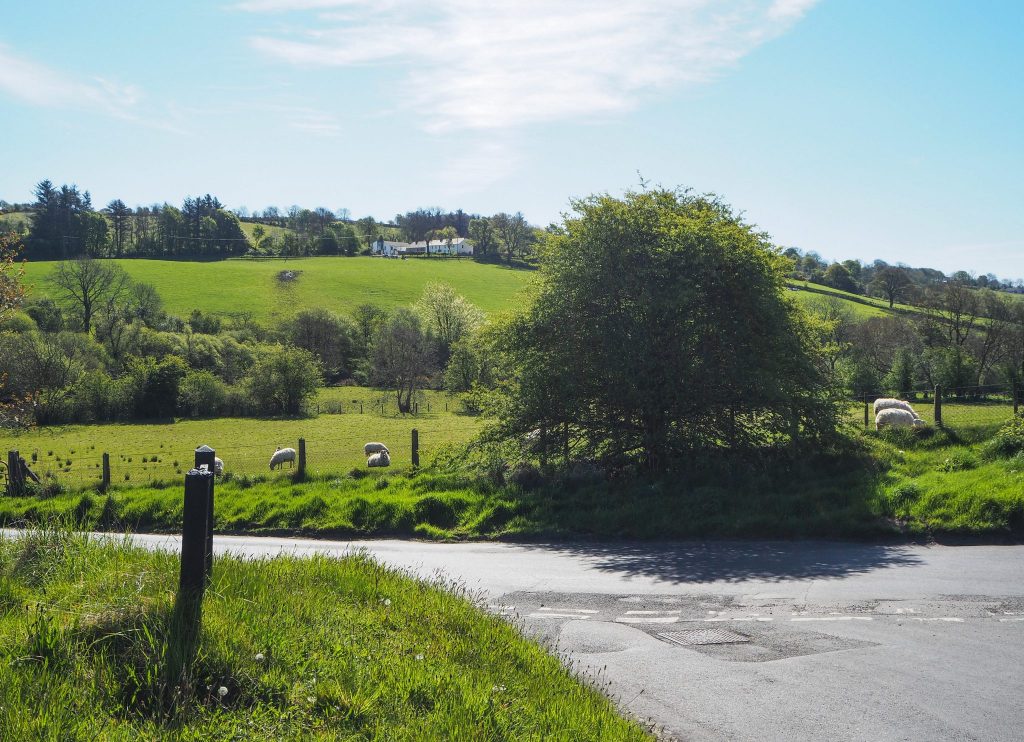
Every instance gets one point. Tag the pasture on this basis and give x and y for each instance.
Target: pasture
(317, 648)
(231, 287)
(146, 452)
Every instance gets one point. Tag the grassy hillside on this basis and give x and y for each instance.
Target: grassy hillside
(339, 284)
(16, 218)
(863, 307)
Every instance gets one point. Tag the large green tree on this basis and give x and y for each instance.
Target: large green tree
(661, 329)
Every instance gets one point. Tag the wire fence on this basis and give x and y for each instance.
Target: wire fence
(337, 456)
(963, 407)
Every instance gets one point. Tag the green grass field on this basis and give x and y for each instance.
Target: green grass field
(339, 284)
(863, 307)
(146, 452)
(16, 218)
(320, 648)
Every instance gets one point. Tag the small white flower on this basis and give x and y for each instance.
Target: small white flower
(387, 601)
(497, 688)
(310, 699)
(222, 691)
(419, 656)
(259, 657)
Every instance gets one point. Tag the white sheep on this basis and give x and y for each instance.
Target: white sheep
(381, 458)
(886, 403)
(372, 448)
(893, 417)
(218, 466)
(280, 456)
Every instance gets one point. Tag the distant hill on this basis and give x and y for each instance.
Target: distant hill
(339, 284)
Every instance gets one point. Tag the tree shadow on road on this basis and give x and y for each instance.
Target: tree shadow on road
(730, 561)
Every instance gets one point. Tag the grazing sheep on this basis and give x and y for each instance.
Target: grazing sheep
(381, 458)
(896, 418)
(280, 456)
(218, 466)
(886, 403)
(372, 448)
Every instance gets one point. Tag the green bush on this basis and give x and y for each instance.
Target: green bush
(959, 461)
(1008, 441)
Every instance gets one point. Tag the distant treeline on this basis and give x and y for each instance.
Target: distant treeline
(62, 223)
(893, 282)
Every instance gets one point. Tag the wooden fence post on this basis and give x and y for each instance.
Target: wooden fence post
(206, 460)
(360, 408)
(867, 415)
(415, 447)
(1016, 399)
(302, 457)
(15, 477)
(938, 406)
(105, 482)
(195, 522)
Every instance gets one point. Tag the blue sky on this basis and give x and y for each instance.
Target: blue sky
(856, 128)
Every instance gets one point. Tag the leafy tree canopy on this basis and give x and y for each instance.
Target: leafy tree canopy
(660, 328)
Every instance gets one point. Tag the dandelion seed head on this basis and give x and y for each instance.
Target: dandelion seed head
(222, 691)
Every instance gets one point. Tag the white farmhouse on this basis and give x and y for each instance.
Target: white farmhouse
(459, 246)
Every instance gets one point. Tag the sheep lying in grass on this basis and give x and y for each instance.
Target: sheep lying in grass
(218, 466)
(887, 403)
(381, 458)
(280, 456)
(372, 448)
(897, 418)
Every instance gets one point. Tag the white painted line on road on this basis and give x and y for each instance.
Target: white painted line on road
(577, 616)
(569, 610)
(832, 618)
(647, 619)
(1007, 620)
(652, 613)
(502, 607)
(950, 619)
(739, 618)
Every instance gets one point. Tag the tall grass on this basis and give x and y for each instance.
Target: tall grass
(289, 649)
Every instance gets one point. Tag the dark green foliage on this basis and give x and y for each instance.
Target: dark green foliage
(1008, 441)
(283, 379)
(661, 329)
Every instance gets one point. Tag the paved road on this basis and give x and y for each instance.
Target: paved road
(759, 641)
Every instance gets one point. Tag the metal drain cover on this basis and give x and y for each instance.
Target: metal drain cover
(699, 637)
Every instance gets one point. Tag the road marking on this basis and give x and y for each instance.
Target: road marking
(950, 619)
(1006, 620)
(577, 616)
(568, 610)
(647, 619)
(506, 608)
(652, 613)
(738, 618)
(832, 618)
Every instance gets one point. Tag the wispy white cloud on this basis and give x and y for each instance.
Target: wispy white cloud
(507, 63)
(40, 85)
(314, 122)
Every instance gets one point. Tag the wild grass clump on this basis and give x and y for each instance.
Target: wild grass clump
(290, 648)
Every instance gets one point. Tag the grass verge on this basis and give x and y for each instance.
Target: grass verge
(290, 649)
(927, 484)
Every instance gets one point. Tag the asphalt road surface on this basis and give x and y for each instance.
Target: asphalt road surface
(757, 641)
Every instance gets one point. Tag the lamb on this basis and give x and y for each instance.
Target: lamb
(280, 456)
(372, 448)
(893, 417)
(381, 458)
(218, 466)
(886, 403)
